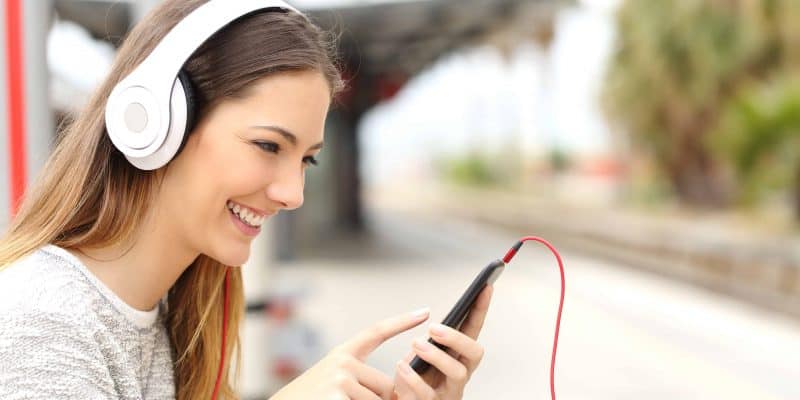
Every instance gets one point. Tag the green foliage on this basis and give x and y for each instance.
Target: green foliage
(559, 160)
(478, 169)
(469, 170)
(676, 66)
(760, 134)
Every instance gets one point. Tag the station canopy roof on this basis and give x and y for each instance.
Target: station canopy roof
(396, 37)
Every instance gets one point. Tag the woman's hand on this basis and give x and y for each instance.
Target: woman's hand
(342, 373)
(452, 368)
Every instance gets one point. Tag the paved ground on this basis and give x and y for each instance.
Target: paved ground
(625, 334)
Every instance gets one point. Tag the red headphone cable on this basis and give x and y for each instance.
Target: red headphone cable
(506, 260)
(509, 255)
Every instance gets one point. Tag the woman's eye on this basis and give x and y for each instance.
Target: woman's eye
(310, 160)
(268, 146)
(275, 148)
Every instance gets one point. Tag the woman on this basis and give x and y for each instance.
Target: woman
(112, 278)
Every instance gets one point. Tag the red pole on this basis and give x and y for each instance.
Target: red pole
(16, 101)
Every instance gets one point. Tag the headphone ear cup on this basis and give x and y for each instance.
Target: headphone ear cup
(181, 121)
(189, 93)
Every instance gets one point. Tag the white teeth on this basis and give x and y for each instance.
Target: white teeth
(246, 215)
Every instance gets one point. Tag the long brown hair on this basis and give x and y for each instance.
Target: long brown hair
(88, 195)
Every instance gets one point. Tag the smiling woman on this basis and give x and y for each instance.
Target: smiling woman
(111, 277)
(243, 156)
(118, 276)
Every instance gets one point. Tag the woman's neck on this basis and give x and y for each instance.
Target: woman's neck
(141, 273)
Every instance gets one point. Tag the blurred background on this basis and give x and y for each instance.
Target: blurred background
(655, 143)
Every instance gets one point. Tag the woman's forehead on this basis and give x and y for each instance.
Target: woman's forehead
(295, 103)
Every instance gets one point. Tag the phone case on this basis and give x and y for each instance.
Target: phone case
(461, 309)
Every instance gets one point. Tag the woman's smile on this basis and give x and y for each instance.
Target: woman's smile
(247, 219)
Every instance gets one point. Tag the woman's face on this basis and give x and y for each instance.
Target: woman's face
(244, 162)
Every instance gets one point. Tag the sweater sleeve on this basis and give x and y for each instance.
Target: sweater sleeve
(51, 356)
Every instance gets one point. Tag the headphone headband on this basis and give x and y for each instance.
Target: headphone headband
(138, 115)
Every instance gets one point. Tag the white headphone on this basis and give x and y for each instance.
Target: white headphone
(149, 112)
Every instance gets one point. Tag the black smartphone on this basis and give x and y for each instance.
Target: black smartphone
(461, 309)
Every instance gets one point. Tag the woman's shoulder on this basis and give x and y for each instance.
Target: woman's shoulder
(45, 283)
(49, 345)
(53, 281)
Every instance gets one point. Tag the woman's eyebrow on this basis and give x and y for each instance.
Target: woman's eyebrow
(289, 136)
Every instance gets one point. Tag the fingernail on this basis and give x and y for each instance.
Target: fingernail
(423, 345)
(405, 368)
(420, 313)
(438, 329)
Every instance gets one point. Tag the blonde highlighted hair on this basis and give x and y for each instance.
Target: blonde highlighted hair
(88, 195)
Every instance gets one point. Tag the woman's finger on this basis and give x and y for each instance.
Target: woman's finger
(373, 379)
(474, 322)
(409, 357)
(355, 391)
(402, 390)
(456, 373)
(411, 386)
(369, 339)
(471, 351)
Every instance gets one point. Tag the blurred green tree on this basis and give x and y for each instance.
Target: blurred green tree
(678, 64)
(760, 134)
(472, 169)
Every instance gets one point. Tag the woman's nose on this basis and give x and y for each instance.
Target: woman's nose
(287, 189)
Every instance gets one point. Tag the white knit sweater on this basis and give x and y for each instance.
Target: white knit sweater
(65, 335)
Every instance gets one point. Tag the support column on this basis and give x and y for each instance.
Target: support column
(26, 124)
(5, 160)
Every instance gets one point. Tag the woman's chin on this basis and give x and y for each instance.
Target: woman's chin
(235, 255)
